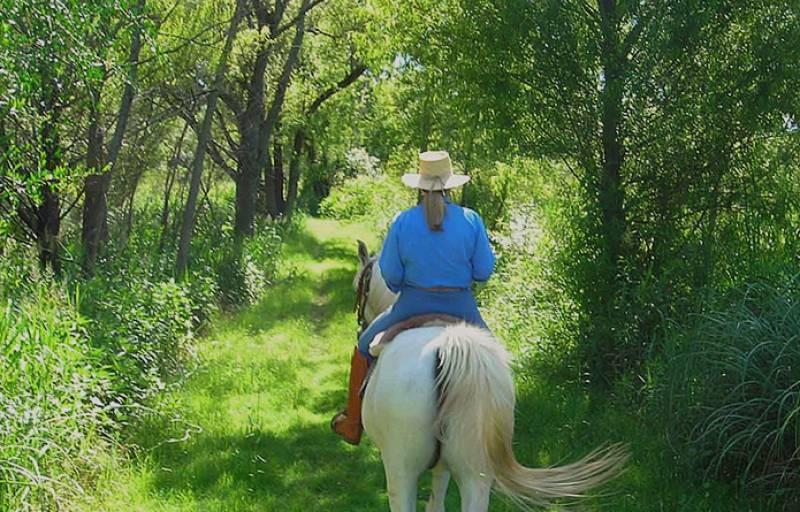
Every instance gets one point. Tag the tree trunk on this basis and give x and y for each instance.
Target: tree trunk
(275, 180)
(95, 206)
(48, 211)
(48, 217)
(126, 233)
(172, 174)
(202, 141)
(611, 191)
(247, 179)
(604, 346)
(294, 170)
(250, 151)
(280, 176)
(270, 200)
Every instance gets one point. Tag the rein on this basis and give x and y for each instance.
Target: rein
(362, 294)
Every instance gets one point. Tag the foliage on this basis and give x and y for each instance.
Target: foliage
(52, 56)
(495, 188)
(729, 384)
(377, 199)
(243, 273)
(528, 300)
(143, 330)
(242, 269)
(223, 271)
(81, 360)
(631, 97)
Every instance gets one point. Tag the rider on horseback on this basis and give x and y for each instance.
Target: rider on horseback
(432, 254)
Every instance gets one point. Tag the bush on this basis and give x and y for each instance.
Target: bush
(221, 272)
(527, 300)
(142, 328)
(377, 199)
(143, 320)
(241, 269)
(494, 190)
(82, 358)
(731, 386)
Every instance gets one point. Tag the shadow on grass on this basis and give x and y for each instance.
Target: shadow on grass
(304, 243)
(318, 299)
(302, 467)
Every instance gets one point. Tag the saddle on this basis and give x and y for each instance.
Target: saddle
(382, 339)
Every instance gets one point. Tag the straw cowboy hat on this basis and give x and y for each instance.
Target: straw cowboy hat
(435, 173)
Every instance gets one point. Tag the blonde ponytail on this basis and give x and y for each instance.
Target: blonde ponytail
(434, 206)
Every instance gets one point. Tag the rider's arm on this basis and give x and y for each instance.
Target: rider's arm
(482, 256)
(390, 262)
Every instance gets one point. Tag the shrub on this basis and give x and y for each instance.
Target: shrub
(527, 300)
(82, 358)
(241, 269)
(142, 328)
(731, 384)
(492, 191)
(377, 199)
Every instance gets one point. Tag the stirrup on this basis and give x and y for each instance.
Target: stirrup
(340, 419)
(337, 419)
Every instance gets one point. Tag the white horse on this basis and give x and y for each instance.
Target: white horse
(474, 419)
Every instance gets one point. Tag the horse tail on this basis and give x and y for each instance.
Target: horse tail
(475, 422)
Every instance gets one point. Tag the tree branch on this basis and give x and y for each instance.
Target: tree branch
(303, 10)
(351, 77)
(226, 132)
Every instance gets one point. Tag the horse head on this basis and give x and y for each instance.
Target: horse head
(372, 294)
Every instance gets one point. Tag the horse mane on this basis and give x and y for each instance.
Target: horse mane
(369, 284)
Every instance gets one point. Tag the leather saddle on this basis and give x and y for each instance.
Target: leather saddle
(382, 339)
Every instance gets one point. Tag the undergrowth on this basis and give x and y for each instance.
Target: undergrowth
(83, 360)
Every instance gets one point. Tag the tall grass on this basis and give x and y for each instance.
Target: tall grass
(732, 384)
(51, 399)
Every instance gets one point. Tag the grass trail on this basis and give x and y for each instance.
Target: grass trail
(258, 409)
(257, 414)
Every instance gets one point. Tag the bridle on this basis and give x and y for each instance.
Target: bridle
(362, 294)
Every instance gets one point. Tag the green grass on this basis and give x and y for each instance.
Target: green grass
(252, 421)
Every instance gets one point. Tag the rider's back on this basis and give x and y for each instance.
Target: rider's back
(455, 256)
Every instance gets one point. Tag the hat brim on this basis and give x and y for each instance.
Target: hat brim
(426, 183)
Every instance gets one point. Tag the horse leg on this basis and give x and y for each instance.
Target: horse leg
(475, 492)
(441, 478)
(401, 483)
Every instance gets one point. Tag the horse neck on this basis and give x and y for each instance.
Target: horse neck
(380, 296)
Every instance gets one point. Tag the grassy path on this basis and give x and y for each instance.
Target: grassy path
(257, 415)
(258, 410)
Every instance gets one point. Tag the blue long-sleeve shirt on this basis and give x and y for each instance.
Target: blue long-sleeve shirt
(414, 255)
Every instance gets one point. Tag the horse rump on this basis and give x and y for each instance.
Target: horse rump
(475, 423)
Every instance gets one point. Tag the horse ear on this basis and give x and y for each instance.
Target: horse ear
(363, 253)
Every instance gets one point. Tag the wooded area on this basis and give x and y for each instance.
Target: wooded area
(638, 165)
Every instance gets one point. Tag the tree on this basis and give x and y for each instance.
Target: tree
(101, 161)
(203, 135)
(46, 60)
(654, 107)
